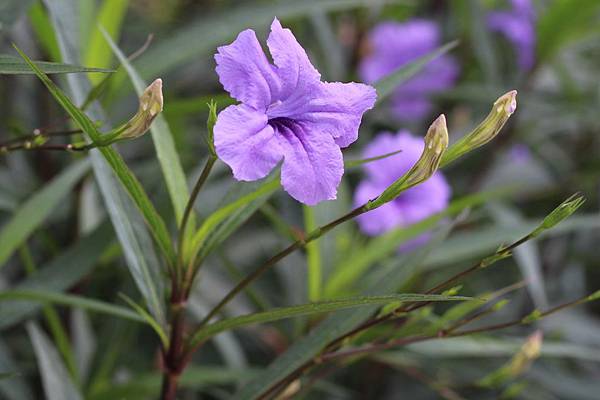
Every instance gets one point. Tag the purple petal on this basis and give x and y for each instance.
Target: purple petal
(245, 142)
(410, 108)
(520, 31)
(379, 220)
(394, 44)
(412, 205)
(293, 66)
(387, 170)
(313, 165)
(245, 72)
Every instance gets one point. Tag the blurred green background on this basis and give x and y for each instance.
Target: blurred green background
(549, 150)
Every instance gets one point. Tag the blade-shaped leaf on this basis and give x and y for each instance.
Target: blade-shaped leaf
(37, 208)
(184, 46)
(60, 274)
(222, 222)
(110, 15)
(304, 349)
(163, 144)
(313, 308)
(129, 181)
(10, 65)
(45, 296)
(55, 378)
(129, 226)
(382, 246)
(12, 386)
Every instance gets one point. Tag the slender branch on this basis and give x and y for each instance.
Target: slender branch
(210, 162)
(298, 244)
(444, 334)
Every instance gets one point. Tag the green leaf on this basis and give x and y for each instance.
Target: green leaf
(143, 387)
(386, 85)
(16, 387)
(311, 309)
(564, 21)
(60, 274)
(44, 296)
(307, 347)
(148, 318)
(495, 347)
(184, 46)
(222, 222)
(129, 181)
(110, 17)
(357, 163)
(129, 226)
(29, 216)
(163, 144)
(382, 246)
(10, 10)
(55, 378)
(10, 65)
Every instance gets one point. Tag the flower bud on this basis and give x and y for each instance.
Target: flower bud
(560, 213)
(436, 143)
(210, 125)
(487, 130)
(151, 103)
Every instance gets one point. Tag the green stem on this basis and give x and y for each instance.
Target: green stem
(298, 244)
(210, 162)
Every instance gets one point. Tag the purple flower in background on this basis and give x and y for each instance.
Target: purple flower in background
(411, 206)
(286, 113)
(518, 26)
(394, 44)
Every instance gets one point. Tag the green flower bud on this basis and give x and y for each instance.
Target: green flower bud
(563, 211)
(503, 108)
(151, 104)
(210, 125)
(436, 143)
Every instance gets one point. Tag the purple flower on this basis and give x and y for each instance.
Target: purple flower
(518, 26)
(412, 205)
(394, 44)
(286, 113)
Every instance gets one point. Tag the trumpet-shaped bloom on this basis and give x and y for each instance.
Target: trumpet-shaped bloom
(394, 44)
(286, 113)
(411, 206)
(518, 26)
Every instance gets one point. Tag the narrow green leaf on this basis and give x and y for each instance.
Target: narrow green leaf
(10, 65)
(15, 387)
(357, 163)
(386, 85)
(129, 225)
(59, 274)
(145, 316)
(11, 10)
(45, 296)
(184, 46)
(43, 30)
(310, 309)
(163, 144)
(563, 22)
(37, 208)
(110, 16)
(55, 378)
(129, 181)
(307, 347)
(382, 246)
(220, 223)
(146, 386)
